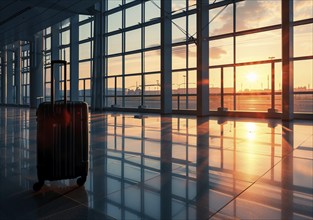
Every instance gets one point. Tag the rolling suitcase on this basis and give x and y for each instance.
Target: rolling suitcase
(62, 138)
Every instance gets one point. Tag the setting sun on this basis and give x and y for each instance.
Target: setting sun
(252, 77)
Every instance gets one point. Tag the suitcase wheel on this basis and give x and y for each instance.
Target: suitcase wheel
(37, 186)
(81, 180)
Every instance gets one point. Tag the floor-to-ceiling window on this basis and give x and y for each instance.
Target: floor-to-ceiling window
(245, 56)
(85, 48)
(132, 75)
(46, 63)
(64, 54)
(184, 55)
(303, 56)
(244, 51)
(25, 72)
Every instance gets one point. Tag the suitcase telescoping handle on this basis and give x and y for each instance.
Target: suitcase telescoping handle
(53, 62)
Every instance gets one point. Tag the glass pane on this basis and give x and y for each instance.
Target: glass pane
(303, 103)
(65, 23)
(178, 5)
(132, 102)
(303, 78)
(114, 66)
(278, 83)
(65, 37)
(215, 89)
(229, 88)
(84, 31)
(192, 82)
(152, 9)
(152, 36)
(192, 25)
(152, 84)
(133, 15)
(179, 57)
(83, 17)
(259, 46)
(133, 63)
(303, 40)
(303, 75)
(152, 102)
(179, 29)
(179, 82)
(114, 44)
(84, 51)
(192, 55)
(152, 60)
(221, 52)
(47, 43)
(303, 9)
(251, 81)
(221, 21)
(84, 69)
(114, 21)
(133, 40)
(256, 14)
(114, 4)
(110, 86)
(133, 85)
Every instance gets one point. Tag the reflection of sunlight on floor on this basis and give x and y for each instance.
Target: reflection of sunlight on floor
(250, 158)
(251, 128)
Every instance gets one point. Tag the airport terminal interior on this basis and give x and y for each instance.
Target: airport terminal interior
(198, 109)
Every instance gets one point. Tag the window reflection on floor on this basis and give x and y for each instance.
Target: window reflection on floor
(164, 167)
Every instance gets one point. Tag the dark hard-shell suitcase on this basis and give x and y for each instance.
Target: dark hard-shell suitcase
(62, 138)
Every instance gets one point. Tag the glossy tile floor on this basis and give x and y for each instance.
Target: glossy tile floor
(156, 167)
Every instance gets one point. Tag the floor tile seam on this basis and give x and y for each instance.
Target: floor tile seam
(260, 177)
(59, 212)
(104, 197)
(59, 195)
(63, 211)
(306, 139)
(133, 185)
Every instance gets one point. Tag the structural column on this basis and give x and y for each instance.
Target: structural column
(287, 53)
(166, 57)
(9, 72)
(18, 72)
(36, 70)
(74, 59)
(3, 76)
(98, 67)
(202, 58)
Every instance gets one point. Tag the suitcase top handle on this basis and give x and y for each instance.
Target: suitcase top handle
(62, 62)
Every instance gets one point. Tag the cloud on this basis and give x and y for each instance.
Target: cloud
(216, 53)
(223, 23)
(250, 14)
(179, 52)
(303, 9)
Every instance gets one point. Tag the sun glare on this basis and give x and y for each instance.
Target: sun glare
(251, 77)
(251, 127)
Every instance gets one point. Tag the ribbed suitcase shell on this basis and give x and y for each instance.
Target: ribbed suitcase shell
(62, 140)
